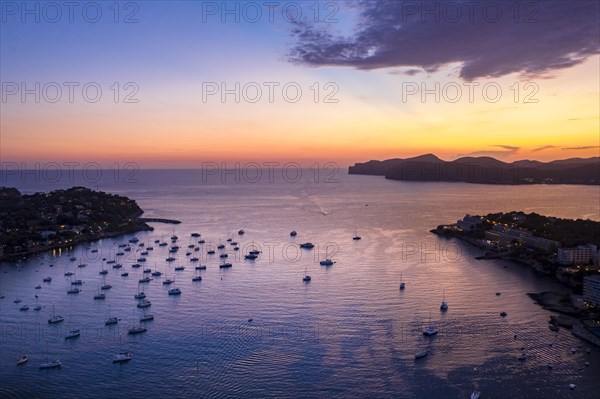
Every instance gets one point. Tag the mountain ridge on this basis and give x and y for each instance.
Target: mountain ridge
(484, 170)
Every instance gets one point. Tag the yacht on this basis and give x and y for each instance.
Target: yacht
(76, 282)
(22, 360)
(144, 280)
(201, 267)
(421, 353)
(179, 268)
(210, 252)
(141, 260)
(37, 307)
(47, 279)
(293, 233)
(220, 246)
(225, 265)
(125, 274)
(144, 303)
(222, 256)
(201, 241)
(156, 273)
(136, 266)
(430, 331)
(147, 270)
(74, 291)
(99, 296)
(163, 244)
(167, 281)
(250, 256)
(139, 295)
(117, 266)
(69, 273)
(81, 265)
(146, 317)
(73, 333)
(170, 259)
(122, 357)
(241, 232)
(503, 314)
(106, 287)
(194, 259)
(174, 291)
(522, 356)
(307, 245)
(326, 262)
(24, 308)
(104, 271)
(195, 234)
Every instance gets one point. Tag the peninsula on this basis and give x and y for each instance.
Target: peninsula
(484, 170)
(63, 218)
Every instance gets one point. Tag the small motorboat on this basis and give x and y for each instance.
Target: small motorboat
(210, 252)
(174, 291)
(124, 274)
(24, 308)
(37, 307)
(503, 314)
(201, 267)
(144, 280)
(430, 331)
(306, 279)
(498, 293)
(476, 394)
(522, 356)
(223, 256)
(241, 232)
(294, 233)
(167, 281)
(573, 350)
(421, 353)
(179, 268)
(38, 287)
(588, 350)
(225, 265)
(22, 360)
(572, 386)
(197, 278)
(122, 357)
(326, 262)
(74, 291)
(51, 365)
(307, 245)
(47, 279)
(250, 256)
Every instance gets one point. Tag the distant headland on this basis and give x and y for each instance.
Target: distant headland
(484, 170)
(63, 218)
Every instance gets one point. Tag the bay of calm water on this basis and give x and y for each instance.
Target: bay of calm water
(350, 332)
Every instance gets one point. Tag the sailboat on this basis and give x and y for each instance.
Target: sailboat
(55, 318)
(197, 277)
(431, 330)
(122, 357)
(74, 333)
(103, 271)
(99, 295)
(137, 329)
(37, 305)
(444, 304)
(104, 285)
(401, 282)
(327, 261)
(139, 295)
(110, 320)
(146, 317)
(356, 236)
(306, 277)
(50, 364)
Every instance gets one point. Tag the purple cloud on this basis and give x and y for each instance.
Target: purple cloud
(488, 39)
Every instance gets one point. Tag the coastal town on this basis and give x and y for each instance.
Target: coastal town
(563, 249)
(62, 218)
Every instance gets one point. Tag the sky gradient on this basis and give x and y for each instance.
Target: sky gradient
(378, 80)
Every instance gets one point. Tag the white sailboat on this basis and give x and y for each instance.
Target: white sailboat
(50, 364)
(55, 318)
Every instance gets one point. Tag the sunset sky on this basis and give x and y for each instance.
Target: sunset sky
(368, 63)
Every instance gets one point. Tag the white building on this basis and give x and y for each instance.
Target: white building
(581, 255)
(591, 290)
